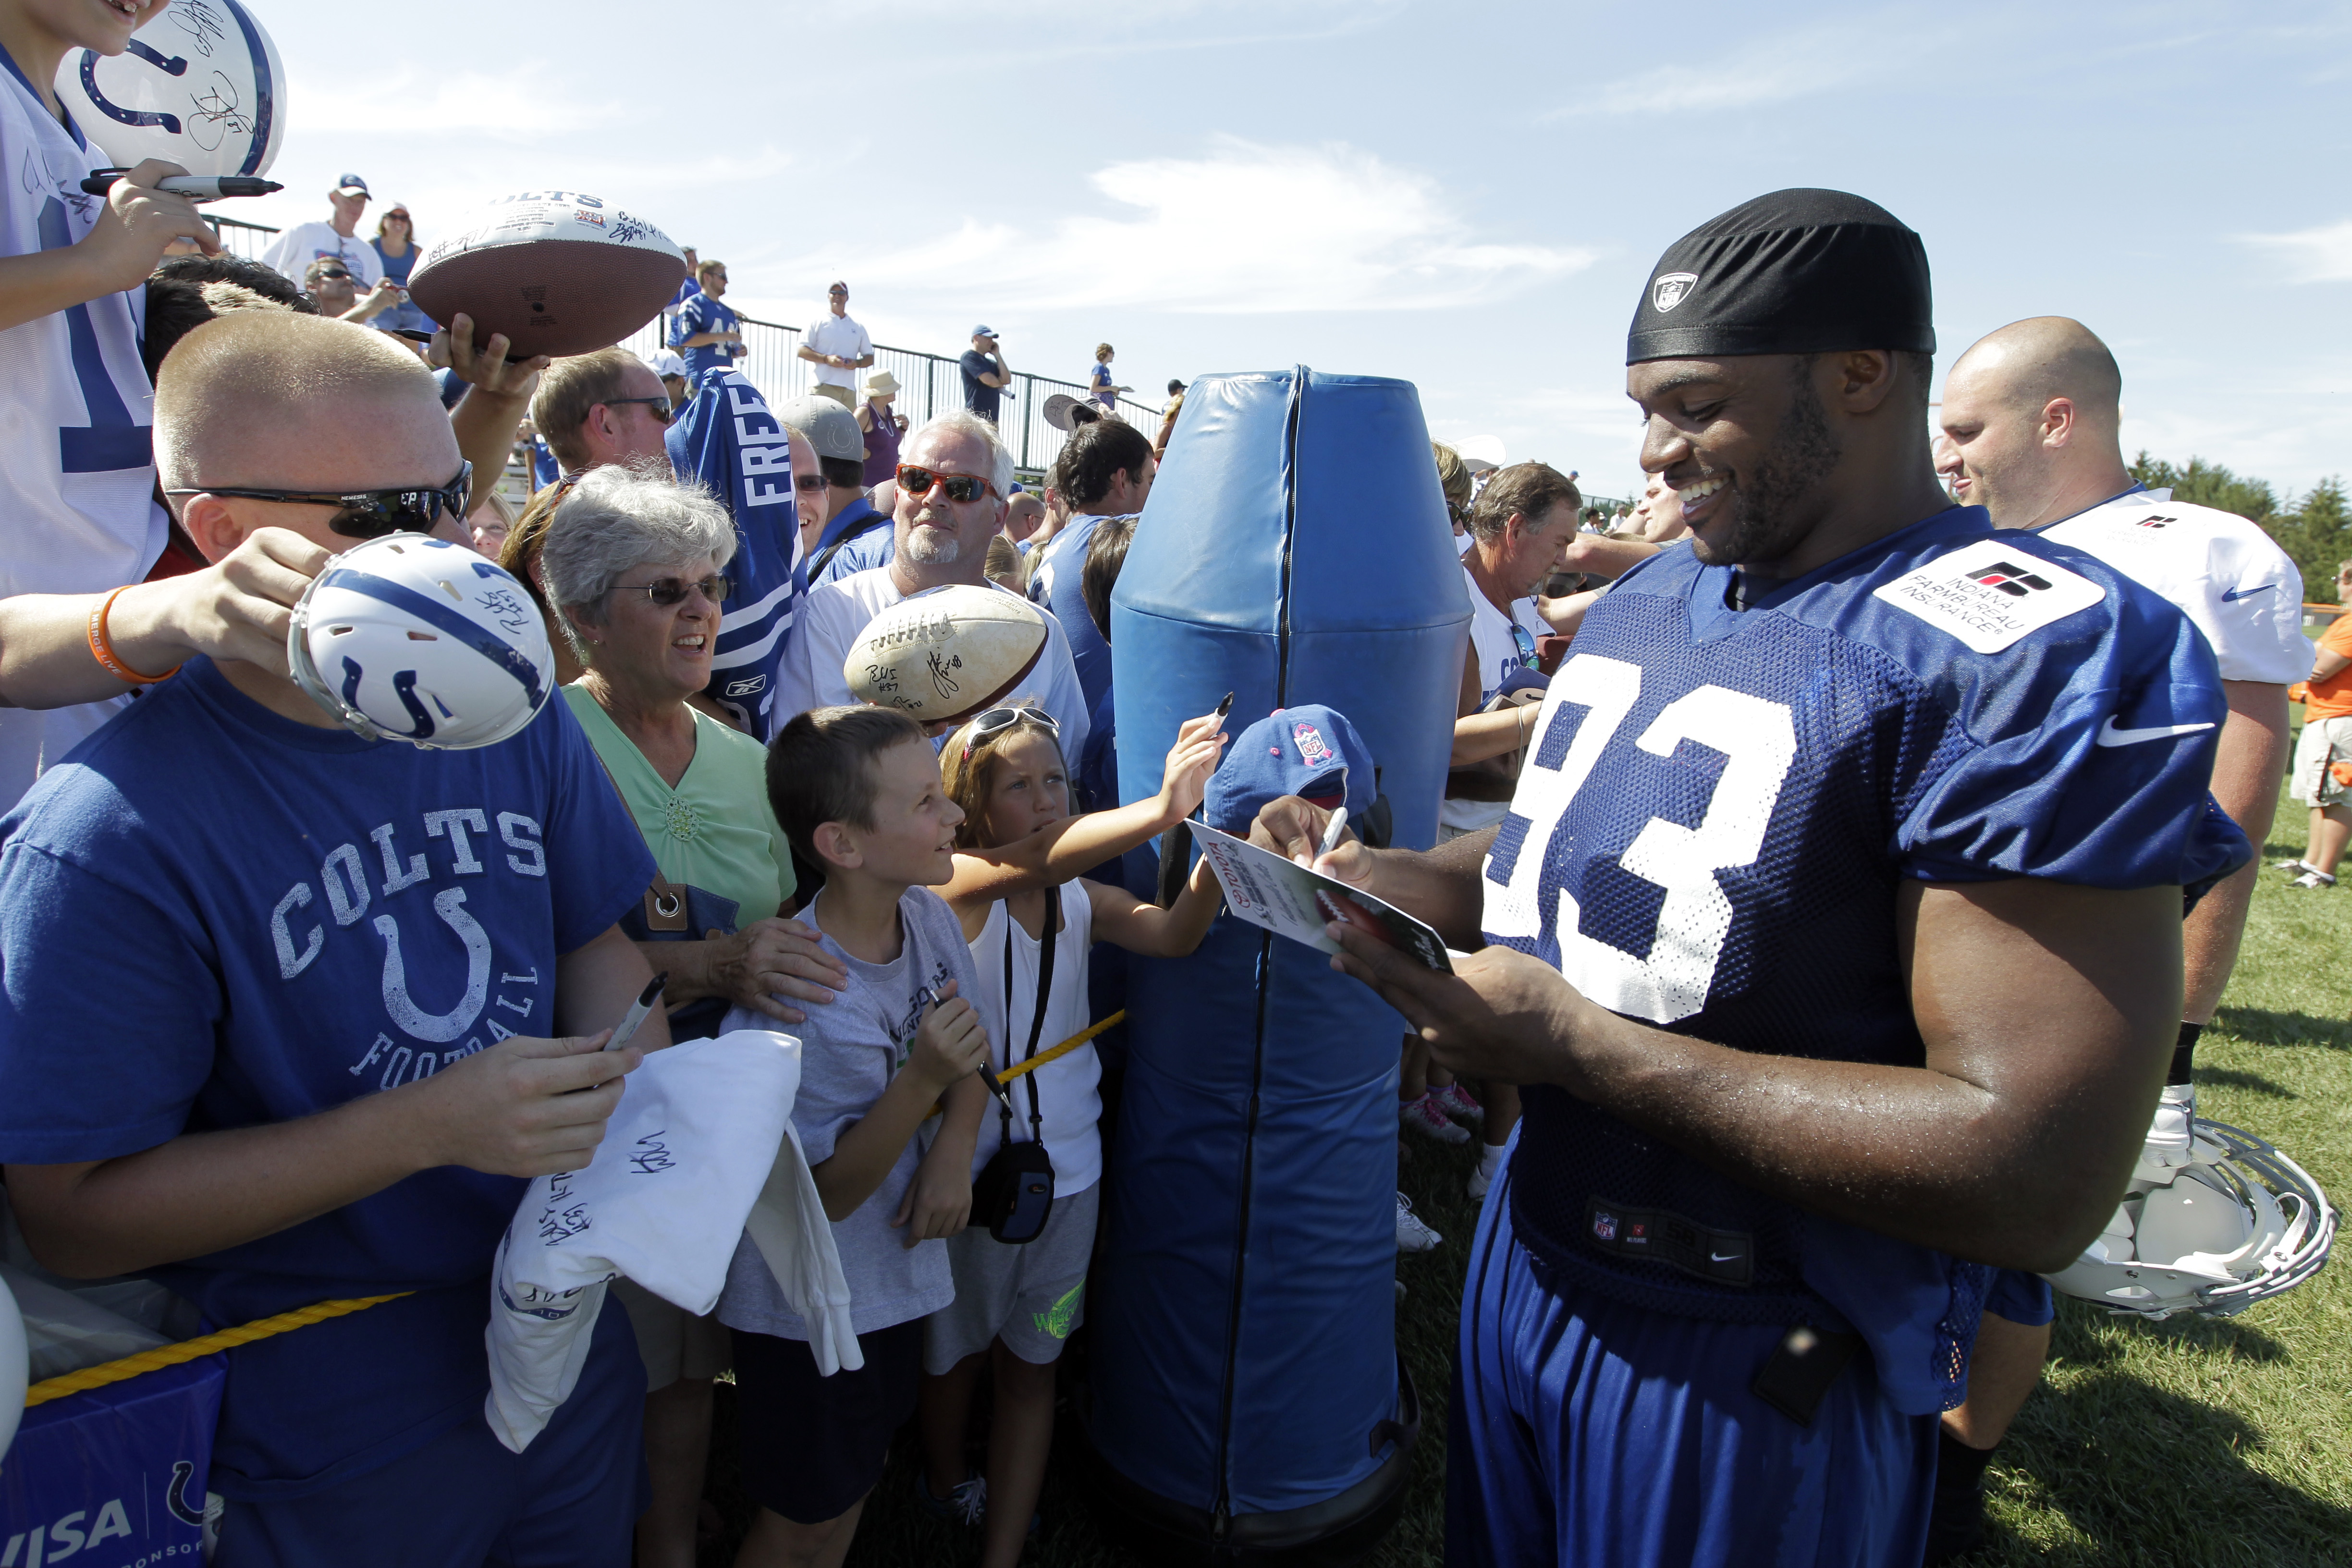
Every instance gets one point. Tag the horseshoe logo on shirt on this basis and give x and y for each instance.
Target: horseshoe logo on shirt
(439, 1027)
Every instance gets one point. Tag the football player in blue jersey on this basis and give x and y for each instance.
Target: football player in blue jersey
(1834, 932)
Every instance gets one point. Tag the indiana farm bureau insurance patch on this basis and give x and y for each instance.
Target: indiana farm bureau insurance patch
(1990, 593)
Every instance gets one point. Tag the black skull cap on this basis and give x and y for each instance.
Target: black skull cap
(1797, 271)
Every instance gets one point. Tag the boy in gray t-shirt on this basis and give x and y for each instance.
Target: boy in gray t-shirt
(858, 790)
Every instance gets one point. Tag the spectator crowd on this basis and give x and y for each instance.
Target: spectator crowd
(368, 984)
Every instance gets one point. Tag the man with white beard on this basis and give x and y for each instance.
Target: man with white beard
(955, 476)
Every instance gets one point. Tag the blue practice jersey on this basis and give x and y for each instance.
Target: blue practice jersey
(726, 438)
(1711, 831)
(698, 315)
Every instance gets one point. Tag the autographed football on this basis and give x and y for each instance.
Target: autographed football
(557, 271)
(946, 653)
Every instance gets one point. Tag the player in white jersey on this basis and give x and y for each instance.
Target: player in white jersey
(2029, 432)
(77, 472)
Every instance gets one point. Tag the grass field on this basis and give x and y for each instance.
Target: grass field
(2190, 1444)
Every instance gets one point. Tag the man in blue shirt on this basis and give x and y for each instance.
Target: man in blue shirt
(371, 988)
(705, 329)
(1833, 933)
(985, 376)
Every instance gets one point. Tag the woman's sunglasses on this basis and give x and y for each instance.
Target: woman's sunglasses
(669, 592)
(368, 514)
(918, 482)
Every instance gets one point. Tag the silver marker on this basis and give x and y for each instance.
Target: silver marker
(1331, 831)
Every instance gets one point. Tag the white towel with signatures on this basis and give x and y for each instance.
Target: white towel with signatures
(702, 1134)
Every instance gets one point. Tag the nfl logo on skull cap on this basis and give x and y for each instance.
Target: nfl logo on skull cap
(1671, 290)
(1604, 1225)
(1311, 749)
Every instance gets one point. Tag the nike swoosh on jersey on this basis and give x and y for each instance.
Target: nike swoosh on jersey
(2114, 734)
(2232, 595)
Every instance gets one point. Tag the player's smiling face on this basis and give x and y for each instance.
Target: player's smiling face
(1744, 445)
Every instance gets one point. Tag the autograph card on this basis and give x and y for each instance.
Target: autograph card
(1288, 899)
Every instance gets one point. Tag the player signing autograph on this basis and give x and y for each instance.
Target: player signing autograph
(1835, 930)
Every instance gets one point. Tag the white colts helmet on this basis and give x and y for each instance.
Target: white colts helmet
(413, 638)
(2238, 1224)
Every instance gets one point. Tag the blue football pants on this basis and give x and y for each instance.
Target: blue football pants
(1586, 1432)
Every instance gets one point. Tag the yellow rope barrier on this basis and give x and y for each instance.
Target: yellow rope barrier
(131, 1366)
(1052, 1053)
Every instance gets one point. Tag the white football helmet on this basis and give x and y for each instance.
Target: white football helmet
(2237, 1224)
(413, 638)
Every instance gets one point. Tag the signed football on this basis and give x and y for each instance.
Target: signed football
(557, 271)
(946, 653)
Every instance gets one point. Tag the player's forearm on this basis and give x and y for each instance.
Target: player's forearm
(810, 354)
(47, 282)
(485, 424)
(864, 1155)
(203, 1191)
(1906, 1151)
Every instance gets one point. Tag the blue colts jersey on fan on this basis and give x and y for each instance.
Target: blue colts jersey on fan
(1710, 834)
(726, 438)
(695, 317)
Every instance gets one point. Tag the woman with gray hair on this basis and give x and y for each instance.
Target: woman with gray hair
(633, 564)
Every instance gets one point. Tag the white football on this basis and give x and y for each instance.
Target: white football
(201, 85)
(946, 653)
(559, 272)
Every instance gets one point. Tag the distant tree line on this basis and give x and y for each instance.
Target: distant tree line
(2315, 530)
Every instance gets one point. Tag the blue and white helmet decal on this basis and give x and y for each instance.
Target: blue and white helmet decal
(409, 638)
(201, 85)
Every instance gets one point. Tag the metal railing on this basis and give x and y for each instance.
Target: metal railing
(929, 384)
(242, 239)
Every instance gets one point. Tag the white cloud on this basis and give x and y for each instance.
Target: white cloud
(527, 102)
(2321, 255)
(1247, 229)
(1770, 71)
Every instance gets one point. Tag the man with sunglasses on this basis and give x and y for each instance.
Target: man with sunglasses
(602, 408)
(291, 1014)
(950, 501)
(332, 285)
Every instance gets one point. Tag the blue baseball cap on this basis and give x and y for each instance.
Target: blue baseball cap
(349, 184)
(983, 333)
(1311, 751)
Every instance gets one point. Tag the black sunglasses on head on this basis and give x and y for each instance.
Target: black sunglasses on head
(368, 514)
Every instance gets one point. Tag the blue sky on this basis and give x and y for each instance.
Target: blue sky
(1469, 197)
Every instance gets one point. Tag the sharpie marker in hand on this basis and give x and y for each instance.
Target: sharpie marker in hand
(195, 187)
(637, 1011)
(1222, 708)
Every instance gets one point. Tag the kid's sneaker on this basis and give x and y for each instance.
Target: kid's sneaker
(1423, 1117)
(1413, 1235)
(1455, 1101)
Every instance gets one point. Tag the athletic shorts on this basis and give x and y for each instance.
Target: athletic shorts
(2323, 763)
(1030, 1297)
(571, 1500)
(1587, 1433)
(813, 1446)
(2022, 1298)
(672, 1342)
